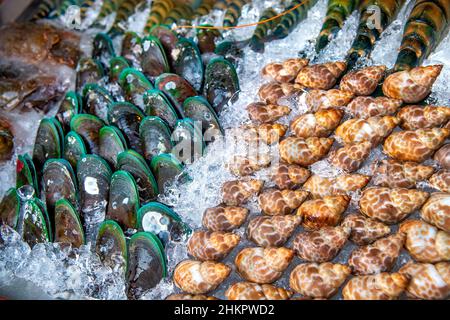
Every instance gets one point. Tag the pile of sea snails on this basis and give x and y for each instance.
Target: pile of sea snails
(305, 215)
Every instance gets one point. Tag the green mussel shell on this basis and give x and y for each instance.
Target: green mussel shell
(68, 227)
(74, 148)
(146, 263)
(123, 200)
(135, 164)
(155, 136)
(111, 245)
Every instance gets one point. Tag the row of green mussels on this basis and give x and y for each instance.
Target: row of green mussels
(138, 255)
(127, 130)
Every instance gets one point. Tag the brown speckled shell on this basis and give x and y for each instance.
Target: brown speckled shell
(320, 187)
(418, 117)
(276, 202)
(273, 231)
(289, 176)
(271, 92)
(265, 132)
(263, 265)
(366, 107)
(377, 257)
(319, 124)
(441, 180)
(253, 291)
(224, 218)
(211, 245)
(426, 243)
(290, 89)
(363, 82)
(351, 156)
(266, 113)
(285, 71)
(318, 280)
(391, 205)
(237, 192)
(270, 132)
(413, 85)
(383, 286)
(197, 277)
(186, 296)
(323, 99)
(321, 76)
(246, 165)
(396, 174)
(442, 156)
(372, 130)
(428, 281)
(304, 151)
(321, 245)
(323, 212)
(364, 230)
(415, 145)
(437, 210)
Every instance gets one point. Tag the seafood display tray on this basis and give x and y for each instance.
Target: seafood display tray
(119, 178)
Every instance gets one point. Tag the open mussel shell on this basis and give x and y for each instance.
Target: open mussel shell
(127, 118)
(88, 71)
(48, 143)
(26, 173)
(111, 245)
(131, 47)
(188, 62)
(68, 227)
(146, 263)
(165, 167)
(155, 136)
(157, 104)
(88, 127)
(35, 228)
(94, 176)
(112, 142)
(187, 139)
(96, 101)
(135, 164)
(221, 83)
(116, 66)
(102, 48)
(159, 219)
(134, 84)
(123, 200)
(153, 58)
(59, 182)
(70, 106)
(176, 88)
(74, 148)
(10, 208)
(198, 109)
(168, 39)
